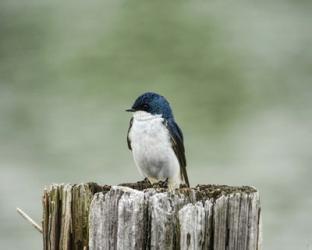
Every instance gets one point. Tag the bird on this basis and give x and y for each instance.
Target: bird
(156, 141)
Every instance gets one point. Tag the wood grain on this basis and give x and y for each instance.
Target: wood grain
(136, 216)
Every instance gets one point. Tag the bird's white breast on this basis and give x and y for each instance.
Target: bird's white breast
(151, 147)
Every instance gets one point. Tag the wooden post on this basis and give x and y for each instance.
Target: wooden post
(136, 216)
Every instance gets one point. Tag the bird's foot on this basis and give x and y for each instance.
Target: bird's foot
(184, 185)
(165, 183)
(145, 183)
(161, 184)
(145, 180)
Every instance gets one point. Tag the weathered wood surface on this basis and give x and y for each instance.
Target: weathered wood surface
(65, 221)
(136, 216)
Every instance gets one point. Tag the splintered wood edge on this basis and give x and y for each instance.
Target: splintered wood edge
(71, 230)
(202, 191)
(65, 214)
(204, 217)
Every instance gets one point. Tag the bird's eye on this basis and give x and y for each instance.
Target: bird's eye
(145, 106)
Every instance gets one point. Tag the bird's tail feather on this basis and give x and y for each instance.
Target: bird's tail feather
(184, 177)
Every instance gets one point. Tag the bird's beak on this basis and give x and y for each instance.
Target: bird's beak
(130, 110)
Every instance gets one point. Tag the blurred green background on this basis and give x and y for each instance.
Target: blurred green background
(237, 74)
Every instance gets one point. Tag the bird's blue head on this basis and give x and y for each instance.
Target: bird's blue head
(152, 103)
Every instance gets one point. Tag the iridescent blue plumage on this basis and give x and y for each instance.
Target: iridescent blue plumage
(154, 104)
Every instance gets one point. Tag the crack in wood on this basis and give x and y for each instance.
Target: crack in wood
(137, 216)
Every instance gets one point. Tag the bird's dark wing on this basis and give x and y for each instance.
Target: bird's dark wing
(176, 138)
(128, 139)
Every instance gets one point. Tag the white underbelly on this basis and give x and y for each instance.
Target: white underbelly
(152, 151)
